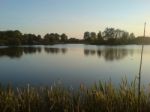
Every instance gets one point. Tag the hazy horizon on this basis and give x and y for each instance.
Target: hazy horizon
(74, 17)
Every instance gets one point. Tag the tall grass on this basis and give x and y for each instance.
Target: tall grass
(101, 97)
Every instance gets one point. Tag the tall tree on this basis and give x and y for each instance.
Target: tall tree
(64, 37)
(131, 36)
(99, 36)
(109, 33)
(87, 36)
(93, 36)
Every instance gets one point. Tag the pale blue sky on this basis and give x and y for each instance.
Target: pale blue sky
(74, 17)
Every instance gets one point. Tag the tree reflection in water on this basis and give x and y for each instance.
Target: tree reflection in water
(11, 52)
(55, 50)
(109, 54)
(32, 50)
(17, 52)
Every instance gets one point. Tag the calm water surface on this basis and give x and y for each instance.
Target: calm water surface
(72, 64)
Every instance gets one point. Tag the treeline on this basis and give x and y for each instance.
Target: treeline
(17, 38)
(110, 36)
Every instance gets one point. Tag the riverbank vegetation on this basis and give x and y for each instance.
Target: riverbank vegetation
(110, 36)
(101, 97)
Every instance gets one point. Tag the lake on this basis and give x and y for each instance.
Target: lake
(72, 64)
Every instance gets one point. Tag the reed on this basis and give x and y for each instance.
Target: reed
(101, 97)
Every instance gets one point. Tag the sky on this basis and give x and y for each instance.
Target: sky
(74, 17)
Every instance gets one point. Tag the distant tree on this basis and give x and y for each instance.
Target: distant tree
(17, 34)
(142, 40)
(118, 33)
(131, 36)
(87, 36)
(93, 36)
(45, 39)
(14, 41)
(99, 37)
(57, 37)
(39, 37)
(51, 38)
(109, 33)
(116, 36)
(73, 40)
(64, 37)
(124, 39)
(31, 39)
(108, 36)
(125, 35)
(12, 37)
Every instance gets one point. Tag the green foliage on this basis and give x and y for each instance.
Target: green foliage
(13, 38)
(54, 38)
(101, 97)
(93, 36)
(51, 38)
(10, 37)
(131, 36)
(90, 37)
(30, 39)
(99, 37)
(74, 40)
(110, 36)
(64, 37)
(109, 33)
(87, 36)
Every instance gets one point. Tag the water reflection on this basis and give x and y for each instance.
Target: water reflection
(109, 54)
(11, 52)
(55, 50)
(32, 50)
(42, 65)
(18, 52)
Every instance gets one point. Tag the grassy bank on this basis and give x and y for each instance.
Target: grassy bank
(101, 97)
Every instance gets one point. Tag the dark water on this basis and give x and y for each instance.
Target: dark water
(71, 64)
